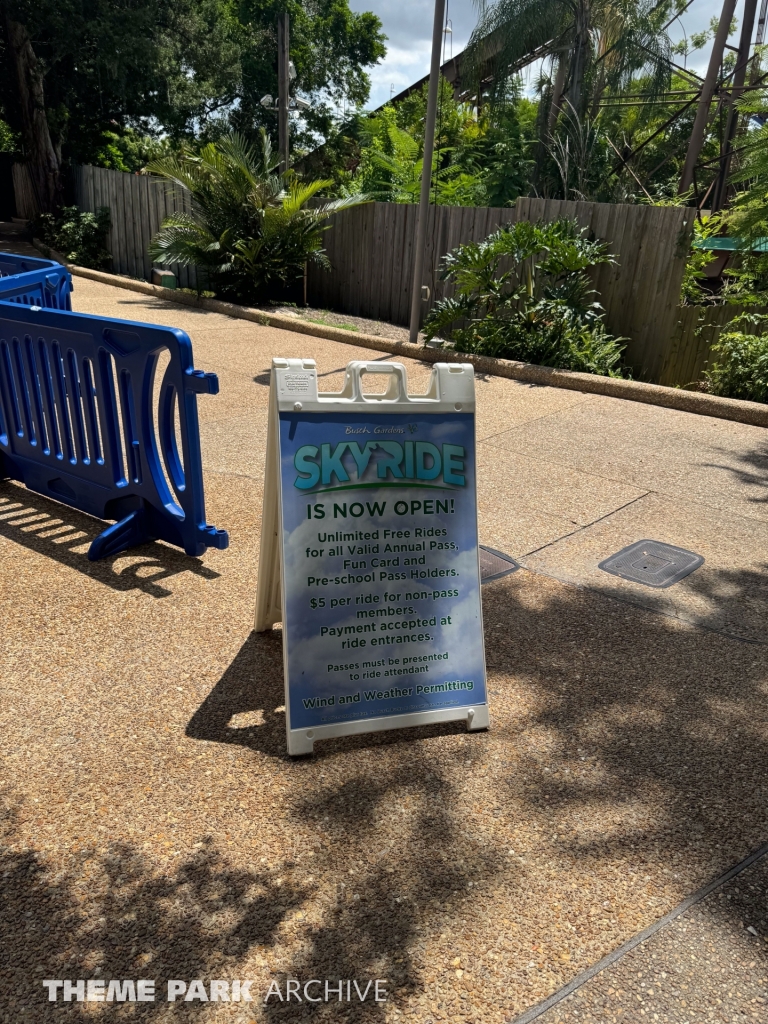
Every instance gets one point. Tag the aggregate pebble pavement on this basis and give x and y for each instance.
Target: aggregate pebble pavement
(153, 826)
(708, 965)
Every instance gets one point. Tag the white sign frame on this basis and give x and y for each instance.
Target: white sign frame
(293, 388)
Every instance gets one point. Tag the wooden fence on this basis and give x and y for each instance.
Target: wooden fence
(138, 204)
(696, 331)
(371, 251)
(24, 192)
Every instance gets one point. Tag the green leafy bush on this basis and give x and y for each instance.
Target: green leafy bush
(698, 260)
(740, 369)
(79, 237)
(523, 293)
(248, 232)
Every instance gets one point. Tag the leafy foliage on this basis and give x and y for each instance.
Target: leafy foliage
(747, 218)
(740, 369)
(131, 151)
(188, 69)
(698, 259)
(477, 161)
(9, 141)
(248, 233)
(81, 238)
(523, 293)
(604, 43)
(332, 48)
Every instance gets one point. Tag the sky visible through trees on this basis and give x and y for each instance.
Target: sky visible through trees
(408, 28)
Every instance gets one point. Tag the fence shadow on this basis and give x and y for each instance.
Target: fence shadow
(64, 534)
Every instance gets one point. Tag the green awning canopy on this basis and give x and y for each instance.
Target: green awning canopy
(716, 244)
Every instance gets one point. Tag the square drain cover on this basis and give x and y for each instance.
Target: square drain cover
(495, 564)
(652, 563)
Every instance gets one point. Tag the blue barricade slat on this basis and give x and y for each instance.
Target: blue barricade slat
(85, 419)
(32, 282)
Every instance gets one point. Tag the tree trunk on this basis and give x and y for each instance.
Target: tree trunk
(707, 92)
(557, 94)
(42, 161)
(581, 42)
(720, 193)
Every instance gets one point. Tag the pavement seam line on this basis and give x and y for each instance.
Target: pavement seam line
(579, 529)
(637, 940)
(639, 604)
(537, 419)
(617, 480)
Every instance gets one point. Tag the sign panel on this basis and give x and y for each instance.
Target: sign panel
(376, 529)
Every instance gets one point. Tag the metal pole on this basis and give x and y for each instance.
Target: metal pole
(707, 92)
(761, 24)
(426, 172)
(283, 85)
(739, 75)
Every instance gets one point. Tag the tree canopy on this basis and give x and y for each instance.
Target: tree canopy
(99, 70)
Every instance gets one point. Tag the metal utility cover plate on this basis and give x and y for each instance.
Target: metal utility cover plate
(495, 564)
(652, 563)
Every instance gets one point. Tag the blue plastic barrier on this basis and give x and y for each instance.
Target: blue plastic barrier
(33, 282)
(83, 420)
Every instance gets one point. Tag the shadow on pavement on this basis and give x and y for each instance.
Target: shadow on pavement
(64, 534)
(754, 473)
(135, 922)
(624, 745)
(252, 685)
(252, 688)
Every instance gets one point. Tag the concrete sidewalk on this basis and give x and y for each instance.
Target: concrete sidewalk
(155, 828)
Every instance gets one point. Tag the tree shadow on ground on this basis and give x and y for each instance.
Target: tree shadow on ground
(114, 915)
(641, 743)
(64, 534)
(754, 471)
(733, 602)
(623, 743)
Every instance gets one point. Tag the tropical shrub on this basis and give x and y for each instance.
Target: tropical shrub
(523, 293)
(250, 232)
(79, 237)
(740, 367)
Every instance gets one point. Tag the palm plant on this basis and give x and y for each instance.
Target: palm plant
(249, 231)
(595, 45)
(573, 147)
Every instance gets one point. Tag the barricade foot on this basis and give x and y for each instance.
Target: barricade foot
(126, 533)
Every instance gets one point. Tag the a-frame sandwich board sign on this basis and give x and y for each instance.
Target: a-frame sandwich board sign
(369, 551)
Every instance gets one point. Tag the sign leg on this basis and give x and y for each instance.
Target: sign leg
(478, 718)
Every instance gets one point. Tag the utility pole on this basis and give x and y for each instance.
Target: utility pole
(283, 86)
(426, 171)
(737, 86)
(707, 92)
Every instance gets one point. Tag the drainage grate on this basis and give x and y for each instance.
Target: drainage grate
(495, 564)
(652, 563)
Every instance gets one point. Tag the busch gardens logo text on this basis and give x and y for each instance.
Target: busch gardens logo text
(348, 466)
